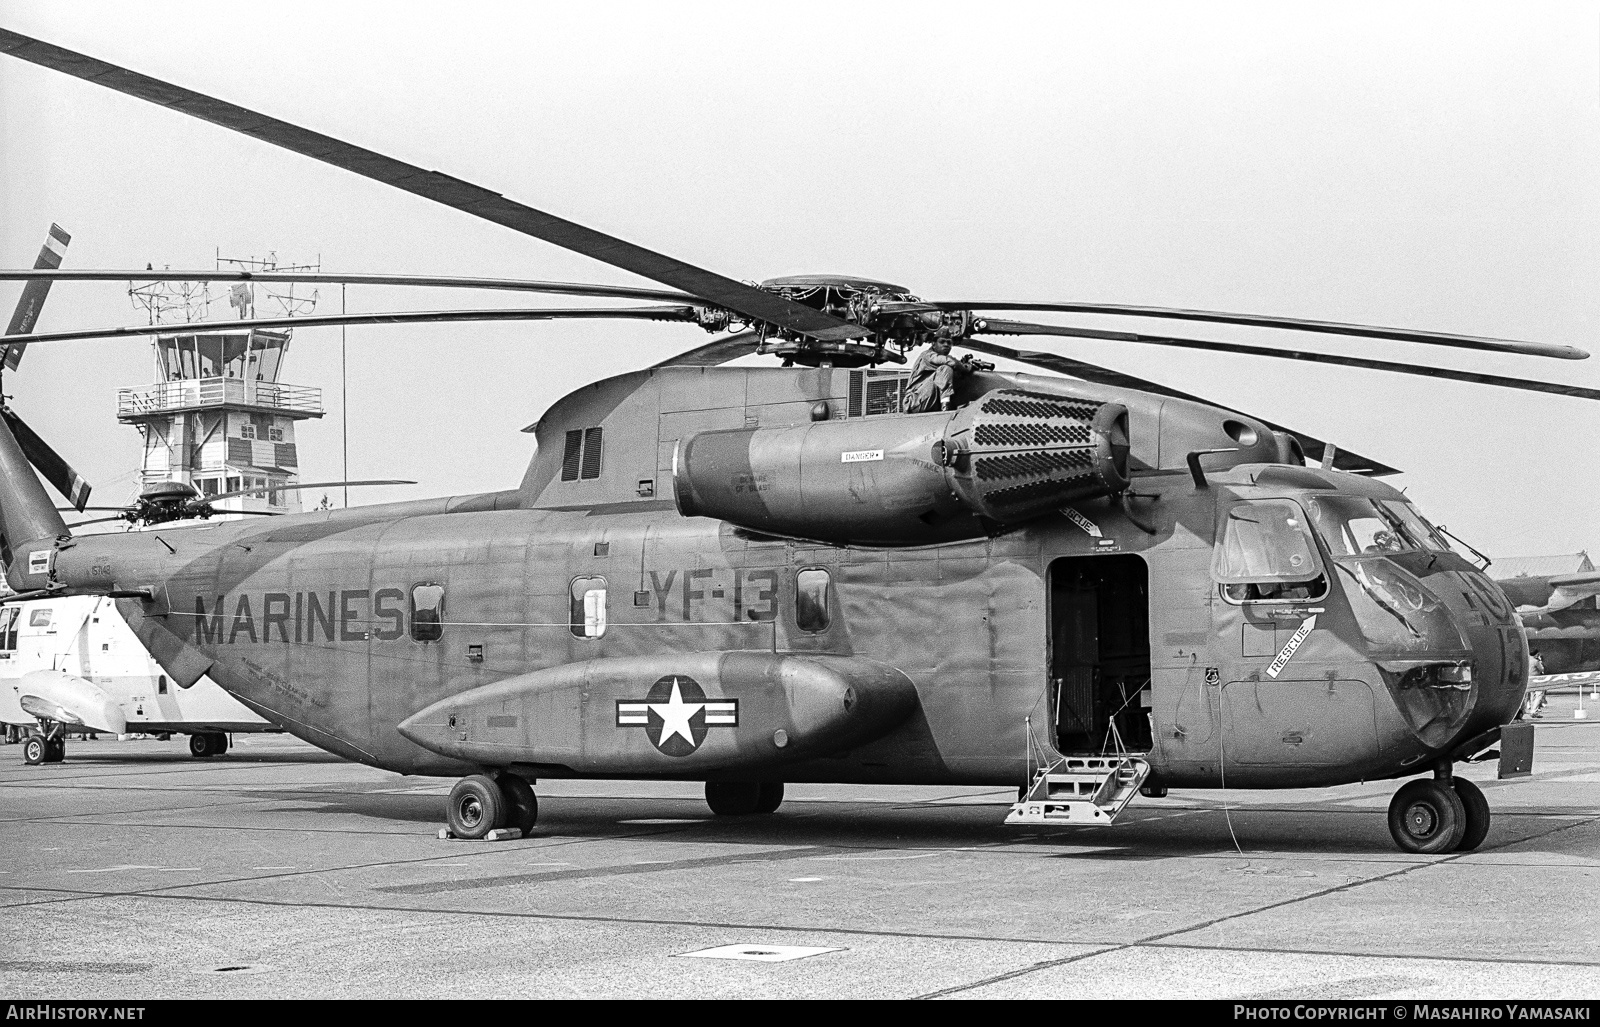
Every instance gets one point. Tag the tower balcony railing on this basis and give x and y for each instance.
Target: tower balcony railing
(199, 393)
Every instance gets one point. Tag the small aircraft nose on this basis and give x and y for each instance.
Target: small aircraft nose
(64, 697)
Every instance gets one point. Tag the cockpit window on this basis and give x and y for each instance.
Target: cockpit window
(1352, 526)
(1419, 530)
(1266, 552)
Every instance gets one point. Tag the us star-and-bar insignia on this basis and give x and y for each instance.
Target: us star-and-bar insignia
(676, 714)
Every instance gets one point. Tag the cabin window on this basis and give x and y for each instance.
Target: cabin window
(811, 599)
(588, 618)
(581, 456)
(1266, 554)
(39, 618)
(427, 611)
(8, 628)
(161, 684)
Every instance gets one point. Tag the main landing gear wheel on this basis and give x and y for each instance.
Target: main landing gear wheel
(477, 807)
(207, 743)
(33, 750)
(521, 805)
(1477, 810)
(1427, 817)
(735, 798)
(770, 797)
(55, 749)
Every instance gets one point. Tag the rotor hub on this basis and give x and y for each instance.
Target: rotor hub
(898, 320)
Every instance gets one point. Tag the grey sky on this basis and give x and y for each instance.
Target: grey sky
(1420, 165)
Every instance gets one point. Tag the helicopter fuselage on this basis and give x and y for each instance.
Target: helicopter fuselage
(550, 631)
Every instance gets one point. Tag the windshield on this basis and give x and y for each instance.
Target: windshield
(1419, 530)
(1394, 609)
(1352, 526)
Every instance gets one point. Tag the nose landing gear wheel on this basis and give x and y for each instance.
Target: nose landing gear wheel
(476, 807)
(522, 806)
(1477, 811)
(1427, 817)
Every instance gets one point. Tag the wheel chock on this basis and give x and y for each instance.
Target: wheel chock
(499, 834)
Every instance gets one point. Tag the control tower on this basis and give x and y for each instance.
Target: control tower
(218, 418)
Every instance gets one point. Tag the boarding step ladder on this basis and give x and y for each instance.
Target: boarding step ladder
(1087, 790)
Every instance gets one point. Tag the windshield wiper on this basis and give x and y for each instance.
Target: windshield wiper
(1447, 534)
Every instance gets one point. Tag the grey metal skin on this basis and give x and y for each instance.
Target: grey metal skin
(965, 622)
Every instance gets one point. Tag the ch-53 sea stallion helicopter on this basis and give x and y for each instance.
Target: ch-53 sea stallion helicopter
(751, 576)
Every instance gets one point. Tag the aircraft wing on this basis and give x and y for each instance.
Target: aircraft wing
(1567, 590)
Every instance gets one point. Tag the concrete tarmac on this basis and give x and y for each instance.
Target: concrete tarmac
(134, 871)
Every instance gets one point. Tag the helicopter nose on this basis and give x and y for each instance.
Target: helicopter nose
(1466, 668)
(1488, 622)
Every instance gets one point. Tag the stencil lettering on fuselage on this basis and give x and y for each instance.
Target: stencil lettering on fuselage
(336, 615)
(700, 595)
(721, 595)
(1295, 641)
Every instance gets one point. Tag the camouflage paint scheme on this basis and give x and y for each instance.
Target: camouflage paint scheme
(313, 627)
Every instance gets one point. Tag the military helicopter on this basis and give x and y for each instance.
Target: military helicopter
(751, 576)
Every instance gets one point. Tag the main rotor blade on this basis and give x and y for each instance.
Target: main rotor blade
(202, 500)
(96, 520)
(713, 353)
(745, 300)
(1316, 448)
(329, 278)
(687, 314)
(994, 326)
(32, 301)
(56, 471)
(1537, 349)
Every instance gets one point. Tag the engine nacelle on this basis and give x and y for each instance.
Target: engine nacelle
(909, 479)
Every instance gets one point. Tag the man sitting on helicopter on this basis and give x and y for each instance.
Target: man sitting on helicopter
(933, 378)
